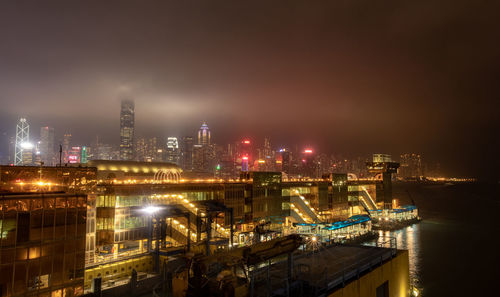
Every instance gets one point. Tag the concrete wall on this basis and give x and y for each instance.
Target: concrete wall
(396, 272)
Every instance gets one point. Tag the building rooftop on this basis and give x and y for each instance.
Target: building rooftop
(130, 165)
(327, 268)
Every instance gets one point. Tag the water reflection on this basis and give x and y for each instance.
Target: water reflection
(407, 239)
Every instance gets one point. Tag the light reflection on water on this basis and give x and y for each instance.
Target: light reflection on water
(407, 239)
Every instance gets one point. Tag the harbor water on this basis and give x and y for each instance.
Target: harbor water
(454, 250)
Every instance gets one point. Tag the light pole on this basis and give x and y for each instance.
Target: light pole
(152, 211)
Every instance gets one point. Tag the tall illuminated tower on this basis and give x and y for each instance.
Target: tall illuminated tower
(66, 146)
(127, 130)
(187, 153)
(22, 140)
(173, 153)
(47, 145)
(204, 135)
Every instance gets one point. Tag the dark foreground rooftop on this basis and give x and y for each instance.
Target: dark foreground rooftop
(320, 272)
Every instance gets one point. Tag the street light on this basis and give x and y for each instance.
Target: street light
(152, 210)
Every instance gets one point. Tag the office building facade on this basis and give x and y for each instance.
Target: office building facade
(204, 137)
(47, 148)
(42, 244)
(127, 125)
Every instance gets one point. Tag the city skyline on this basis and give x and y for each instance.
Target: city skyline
(313, 77)
(249, 148)
(205, 157)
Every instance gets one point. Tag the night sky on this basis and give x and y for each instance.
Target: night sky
(351, 77)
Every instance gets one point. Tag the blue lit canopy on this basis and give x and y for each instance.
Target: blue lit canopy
(357, 219)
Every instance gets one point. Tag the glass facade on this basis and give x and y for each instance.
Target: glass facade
(35, 178)
(42, 244)
(266, 199)
(127, 130)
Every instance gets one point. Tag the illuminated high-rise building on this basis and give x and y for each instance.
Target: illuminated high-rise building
(204, 159)
(187, 153)
(75, 155)
(285, 160)
(104, 152)
(244, 155)
(154, 150)
(22, 142)
(198, 158)
(12, 149)
(127, 130)
(172, 151)
(411, 166)
(66, 146)
(47, 154)
(266, 157)
(140, 149)
(204, 135)
(267, 148)
(149, 150)
(27, 155)
(84, 154)
(308, 167)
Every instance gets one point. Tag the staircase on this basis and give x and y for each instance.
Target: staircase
(301, 206)
(367, 199)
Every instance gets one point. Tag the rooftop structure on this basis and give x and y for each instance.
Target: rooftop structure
(384, 167)
(47, 178)
(204, 137)
(132, 170)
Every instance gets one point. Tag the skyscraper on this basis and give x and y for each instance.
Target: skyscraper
(187, 153)
(204, 135)
(22, 141)
(47, 146)
(140, 149)
(154, 150)
(12, 149)
(104, 152)
(244, 155)
(308, 166)
(173, 153)
(411, 166)
(127, 130)
(66, 146)
(286, 160)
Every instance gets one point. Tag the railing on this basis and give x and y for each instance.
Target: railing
(297, 215)
(298, 201)
(366, 197)
(103, 259)
(390, 243)
(270, 281)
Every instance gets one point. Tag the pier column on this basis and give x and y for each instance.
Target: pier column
(387, 184)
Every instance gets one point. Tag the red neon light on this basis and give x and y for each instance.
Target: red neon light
(308, 151)
(245, 158)
(246, 141)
